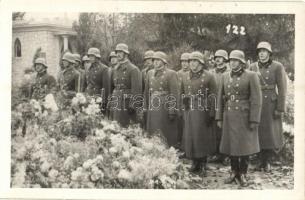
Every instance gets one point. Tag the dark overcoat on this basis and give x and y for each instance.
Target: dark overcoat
(162, 99)
(198, 99)
(126, 87)
(273, 82)
(239, 103)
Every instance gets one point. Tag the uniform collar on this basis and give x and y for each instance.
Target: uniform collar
(221, 70)
(264, 65)
(70, 68)
(160, 71)
(122, 64)
(42, 74)
(237, 73)
(196, 74)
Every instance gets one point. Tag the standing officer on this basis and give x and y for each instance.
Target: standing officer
(113, 58)
(97, 77)
(274, 87)
(185, 68)
(86, 64)
(78, 67)
(238, 114)
(44, 83)
(198, 88)
(221, 58)
(126, 86)
(148, 65)
(162, 98)
(69, 80)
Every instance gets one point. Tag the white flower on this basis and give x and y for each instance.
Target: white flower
(88, 164)
(99, 100)
(76, 155)
(76, 175)
(92, 109)
(68, 162)
(116, 164)
(126, 154)
(81, 98)
(100, 133)
(124, 174)
(50, 103)
(113, 150)
(99, 158)
(53, 174)
(45, 166)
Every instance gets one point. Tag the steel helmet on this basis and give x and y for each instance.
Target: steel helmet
(112, 54)
(185, 56)
(160, 55)
(77, 57)
(69, 57)
(149, 54)
(122, 47)
(196, 55)
(94, 51)
(41, 61)
(238, 55)
(264, 45)
(221, 53)
(85, 58)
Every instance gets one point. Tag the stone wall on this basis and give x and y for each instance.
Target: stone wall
(30, 42)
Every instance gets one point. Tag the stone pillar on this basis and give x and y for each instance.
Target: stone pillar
(66, 41)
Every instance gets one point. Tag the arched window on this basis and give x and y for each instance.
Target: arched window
(17, 48)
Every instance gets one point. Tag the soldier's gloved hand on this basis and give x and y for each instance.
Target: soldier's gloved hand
(277, 114)
(172, 117)
(253, 125)
(219, 124)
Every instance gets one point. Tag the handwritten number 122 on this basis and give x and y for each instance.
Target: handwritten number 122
(237, 30)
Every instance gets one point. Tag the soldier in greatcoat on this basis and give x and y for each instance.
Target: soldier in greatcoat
(162, 100)
(198, 88)
(239, 105)
(126, 87)
(148, 65)
(78, 67)
(44, 83)
(273, 82)
(97, 78)
(86, 64)
(221, 58)
(185, 68)
(69, 78)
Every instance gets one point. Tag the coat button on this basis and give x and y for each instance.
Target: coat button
(229, 108)
(266, 96)
(229, 93)
(229, 86)
(237, 92)
(238, 78)
(237, 100)
(237, 85)
(267, 77)
(236, 108)
(268, 71)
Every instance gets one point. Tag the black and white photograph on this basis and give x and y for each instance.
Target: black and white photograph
(171, 101)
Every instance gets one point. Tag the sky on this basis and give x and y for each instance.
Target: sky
(41, 15)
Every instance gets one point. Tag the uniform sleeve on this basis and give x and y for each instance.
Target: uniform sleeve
(77, 82)
(212, 98)
(52, 85)
(146, 91)
(255, 98)
(106, 83)
(174, 91)
(281, 83)
(143, 80)
(220, 100)
(136, 81)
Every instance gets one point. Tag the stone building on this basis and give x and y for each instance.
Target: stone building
(52, 37)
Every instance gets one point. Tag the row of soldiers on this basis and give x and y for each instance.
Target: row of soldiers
(241, 116)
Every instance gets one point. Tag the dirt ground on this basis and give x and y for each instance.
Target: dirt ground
(280, 177)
